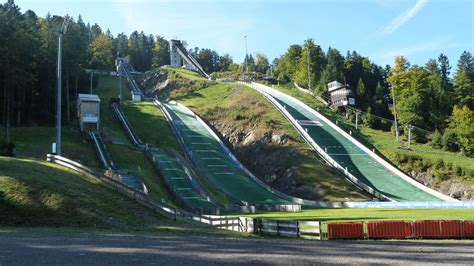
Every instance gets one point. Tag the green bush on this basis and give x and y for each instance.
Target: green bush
(450, 141)
(436, 140)
(7, 148)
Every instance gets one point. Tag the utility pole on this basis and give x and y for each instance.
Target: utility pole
(309, 77)
(246, 55)
(395, 122)
(410, 127)
(61, 32)
(120, 80)
(91, 77)
(357, 119)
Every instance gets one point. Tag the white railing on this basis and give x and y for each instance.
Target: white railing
(300, 229)
(316, 147)
(372, 154)
(239, 224)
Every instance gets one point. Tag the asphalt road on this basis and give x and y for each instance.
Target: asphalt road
(73, 248)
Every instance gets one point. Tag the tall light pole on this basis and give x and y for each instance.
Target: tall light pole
(61, 32)
(246, 55)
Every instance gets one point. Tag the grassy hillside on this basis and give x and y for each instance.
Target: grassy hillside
(150, 124)
(123, 153)
(420, 157)
(37, 193)
(35, 142)
(229, 103)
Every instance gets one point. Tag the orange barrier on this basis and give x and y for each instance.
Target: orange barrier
(389, 229)
(438, 229)
(354, 230)
(427, 229)
(441, 229)
(468, 228)
(451, 229)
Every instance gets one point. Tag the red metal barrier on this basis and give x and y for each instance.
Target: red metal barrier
(451, 229)
(346, 230)
(427, 229)
(438, 229)
(468, 227)
(389, 229)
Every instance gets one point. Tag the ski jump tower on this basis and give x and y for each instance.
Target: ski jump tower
(178, 53)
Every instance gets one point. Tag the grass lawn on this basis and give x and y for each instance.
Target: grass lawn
(122, 151)
(231, 103)
(35, 142)
(150, 124)
(348, 215)
(383, 141)
(188, 74)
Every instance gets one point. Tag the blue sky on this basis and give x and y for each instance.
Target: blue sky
(379, 29)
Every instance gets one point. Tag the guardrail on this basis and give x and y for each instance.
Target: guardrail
(298, 229)
(127, 127)
(316, 147)
(238, 224)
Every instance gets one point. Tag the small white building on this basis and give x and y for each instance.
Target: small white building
(136, 96)
(88, 112)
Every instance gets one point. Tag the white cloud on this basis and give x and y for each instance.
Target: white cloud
(404, 17)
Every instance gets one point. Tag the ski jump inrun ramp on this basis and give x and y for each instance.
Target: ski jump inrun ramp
(342, 151)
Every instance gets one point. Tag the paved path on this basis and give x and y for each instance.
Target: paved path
(49, 248)
(347, 154)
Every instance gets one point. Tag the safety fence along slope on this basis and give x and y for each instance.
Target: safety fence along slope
(130, 180)
(218, 164)
(349, 156)
(125, 69)
(179, 179)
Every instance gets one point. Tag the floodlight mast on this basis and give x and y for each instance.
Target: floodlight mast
(61, 32)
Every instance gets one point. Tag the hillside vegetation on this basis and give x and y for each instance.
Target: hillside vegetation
(259, 135)
(126, 156)
(450, 172)
(36, 193)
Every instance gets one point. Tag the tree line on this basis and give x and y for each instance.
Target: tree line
(426, 96)
(28, 48)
